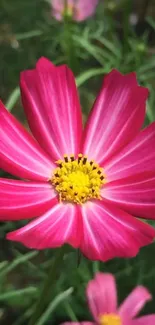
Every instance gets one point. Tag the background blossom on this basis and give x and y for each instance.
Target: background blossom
(102, 300)
(79, 10)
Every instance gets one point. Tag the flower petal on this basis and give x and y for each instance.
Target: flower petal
(119, 106)
(135, 194)
(134, 302)
(109, 232)
(80, 10)
(58, 8)
(52, 107)
(84, 9)
(20, 154)
(78, 323)
(61, 224)
(137, 157)
(144, 320)
(23, 200)
(102, 295)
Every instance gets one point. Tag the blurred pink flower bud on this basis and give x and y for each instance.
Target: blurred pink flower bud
(79, 10)
(101, 294)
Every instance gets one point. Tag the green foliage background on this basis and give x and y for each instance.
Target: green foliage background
(91, 48)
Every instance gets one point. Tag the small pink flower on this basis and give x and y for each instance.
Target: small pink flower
(86, 188)
(78, 10)
(102, 300)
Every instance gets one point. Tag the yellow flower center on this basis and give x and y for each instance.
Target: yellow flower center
(78, 180)
(110, 319)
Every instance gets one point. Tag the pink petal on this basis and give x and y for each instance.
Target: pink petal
(61, 224)
(109, 232)
(78, 323)
(144, 320)
(135, 194)
(102, 295)
(134, 302)
(52, 107)
(119, 106)
(81, 9)
(20, 155)
(23, 200)
(84, 9)
(58, 4)
(58, 8)
(137, 157)
(57, 15)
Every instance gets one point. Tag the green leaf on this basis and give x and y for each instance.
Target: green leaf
(17, 261)
(13, 99)
(3, 264)
(83, 77)
(59, 299)
(30, 34)
(148, 66)
(91, 49)
(18, 293)
(151, 21)
(110, 46)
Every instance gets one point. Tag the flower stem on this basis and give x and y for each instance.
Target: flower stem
(68, 42)
(126, 25)
(50, 281)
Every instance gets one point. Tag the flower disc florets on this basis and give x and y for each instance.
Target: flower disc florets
(78, 180)
(110, 319)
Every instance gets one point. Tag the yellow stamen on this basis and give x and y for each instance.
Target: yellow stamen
(78, 180)
(110, 319)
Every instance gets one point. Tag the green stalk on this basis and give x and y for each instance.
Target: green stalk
(126, 25)
(144, 10)
(68, 42)
(50, 281)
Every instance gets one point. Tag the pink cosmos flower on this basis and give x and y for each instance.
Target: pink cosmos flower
(77, 9)
(102, 300)
(85, 188)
